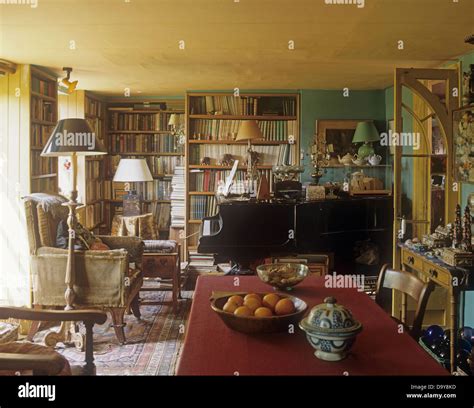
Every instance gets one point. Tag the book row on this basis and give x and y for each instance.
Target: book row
(268, 155)
(93, 107)
(40, 134)
(139, 121)
(202, 206)
(243, 105)
(209, 180)
(42, 165)
(146, 143)
(221, 129)
(42, 110)
(47, 88)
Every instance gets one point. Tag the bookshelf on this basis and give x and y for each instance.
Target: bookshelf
(91, 170)
(43, 118)
(212, 122)
(140, 130)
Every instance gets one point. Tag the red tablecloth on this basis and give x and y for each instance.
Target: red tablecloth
(210, 348)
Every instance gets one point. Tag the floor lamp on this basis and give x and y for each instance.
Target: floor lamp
(72, 137)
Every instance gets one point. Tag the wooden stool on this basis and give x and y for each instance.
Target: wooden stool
(161, 260)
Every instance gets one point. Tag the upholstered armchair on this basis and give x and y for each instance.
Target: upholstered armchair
(106, 279)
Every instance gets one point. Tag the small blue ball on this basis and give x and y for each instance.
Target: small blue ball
(467, 333)
(434, 331)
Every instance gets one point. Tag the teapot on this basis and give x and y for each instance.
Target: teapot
(375, 159)
(359, 161)
(346, 160)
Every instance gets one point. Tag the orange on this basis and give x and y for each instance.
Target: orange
(252, 303)
(284, 306)
(243, 311)
(229, 307)
(253, 295)
(236, 300)
(263, 312)
(270, 300)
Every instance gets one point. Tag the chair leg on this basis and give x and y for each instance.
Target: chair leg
(89, 367)
(34, 325)
(176, 290)
(135, 306)
(117, 322)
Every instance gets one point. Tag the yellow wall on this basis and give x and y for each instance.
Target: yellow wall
(14, 183)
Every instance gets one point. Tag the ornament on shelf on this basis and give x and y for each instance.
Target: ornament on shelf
(206, 161)
(466, 237)
(457, 228)
(227, 160)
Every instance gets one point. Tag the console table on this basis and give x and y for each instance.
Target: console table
(453, 279)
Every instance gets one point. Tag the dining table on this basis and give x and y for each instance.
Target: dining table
(381, 348)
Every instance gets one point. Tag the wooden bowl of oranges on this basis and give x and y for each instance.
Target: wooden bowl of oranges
(258, 312)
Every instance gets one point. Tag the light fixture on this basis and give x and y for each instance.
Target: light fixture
(365, 133)
(66, 86)
(132, 171)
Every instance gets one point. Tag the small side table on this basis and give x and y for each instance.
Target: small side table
(161, 259)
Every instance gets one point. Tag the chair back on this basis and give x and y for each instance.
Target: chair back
(43, 213)
(411, 286)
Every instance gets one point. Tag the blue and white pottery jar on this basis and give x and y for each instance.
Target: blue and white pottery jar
(331, 330)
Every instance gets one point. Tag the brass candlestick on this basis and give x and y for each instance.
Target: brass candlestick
(320, 157)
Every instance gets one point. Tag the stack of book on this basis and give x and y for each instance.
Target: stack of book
(201, 263)
(178, 191)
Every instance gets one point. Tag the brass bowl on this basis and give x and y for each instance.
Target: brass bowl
(282, 275)
(252, 324)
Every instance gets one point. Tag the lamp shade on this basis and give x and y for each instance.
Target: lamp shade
(73, 135)
(133, 170)
(249, 130)
(366, 132)
(174, 120)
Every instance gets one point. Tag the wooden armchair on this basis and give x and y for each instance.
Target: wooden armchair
(409, 285)
(48, 362)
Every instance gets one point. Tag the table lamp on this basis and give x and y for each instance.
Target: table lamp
(72, 137)
(365, 133)
(132, 171)
(249, 131)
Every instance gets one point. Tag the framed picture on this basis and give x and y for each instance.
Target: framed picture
(338, 135)
(463, 144)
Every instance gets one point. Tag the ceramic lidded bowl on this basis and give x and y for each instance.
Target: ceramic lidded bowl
(331, 330)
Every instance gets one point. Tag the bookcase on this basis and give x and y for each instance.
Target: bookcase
(91, 169)
(43, 118)
(140, 130)
(212, 123)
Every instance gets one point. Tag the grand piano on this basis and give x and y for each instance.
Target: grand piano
(246, 231)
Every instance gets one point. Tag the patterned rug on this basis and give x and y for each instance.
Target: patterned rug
(153, 343)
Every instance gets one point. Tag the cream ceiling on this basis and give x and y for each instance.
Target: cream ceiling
(233, 43)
